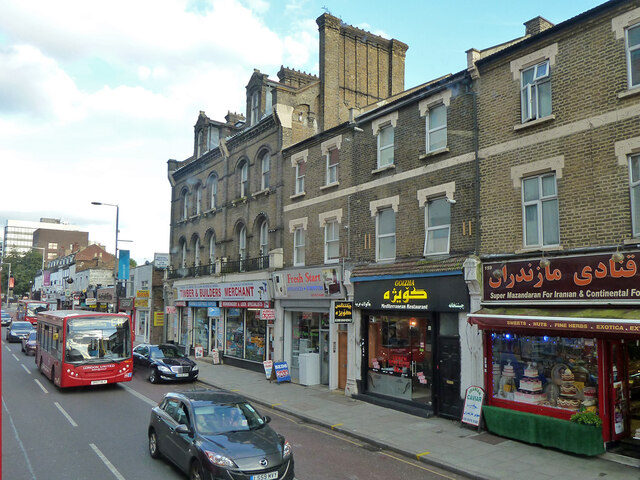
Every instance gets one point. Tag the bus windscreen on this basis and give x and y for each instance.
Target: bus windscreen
(98, 340)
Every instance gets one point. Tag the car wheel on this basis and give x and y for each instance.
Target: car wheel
(153, 444)
(195, 472)
(153, 376)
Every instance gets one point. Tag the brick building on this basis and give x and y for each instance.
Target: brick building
(227, 223)
(559, 121)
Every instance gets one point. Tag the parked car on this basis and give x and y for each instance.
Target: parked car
(212, 434)
(164, 362)
(6, 318)
(18, 330)
(29, 343)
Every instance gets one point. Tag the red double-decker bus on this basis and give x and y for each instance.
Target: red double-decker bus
(77, 347)
(28, 310)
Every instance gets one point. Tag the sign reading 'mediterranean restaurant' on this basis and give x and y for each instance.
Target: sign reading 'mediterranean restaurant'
(565, 280)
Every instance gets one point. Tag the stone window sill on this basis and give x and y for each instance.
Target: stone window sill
(533, 123)
(297, 195)
(265, 192)
(555, 248)
(331, 185)
(434, 153)
(629, 93)
(385, 168)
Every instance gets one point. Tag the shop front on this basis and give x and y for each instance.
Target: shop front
(313, 342)
(411, 341)
(226, 316)
(560, 339)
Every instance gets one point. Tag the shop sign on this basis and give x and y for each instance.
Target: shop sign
(170, 309)
(158, 319)
(447, 293)
(126, 303)
(245, 304)
(142, 293)
(472, 410)
(90, 302)
(565, 280)
(268, 368)
(282, 372)
(181, 304)
(199, 352)
(202, 304)
(106, 295)
(342, 312)
(514, 322)
(239, 291)
(308, 283)
(215, 356)
(161, 260)
(267, 314)
(213, 312)
(141, 303)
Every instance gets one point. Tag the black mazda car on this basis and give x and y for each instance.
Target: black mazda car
(164, 362)
(214, 435)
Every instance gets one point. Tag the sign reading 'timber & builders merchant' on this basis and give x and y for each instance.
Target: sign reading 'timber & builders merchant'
(446, 293)
(566, 280)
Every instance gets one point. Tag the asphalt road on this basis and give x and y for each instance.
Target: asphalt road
(100, 433)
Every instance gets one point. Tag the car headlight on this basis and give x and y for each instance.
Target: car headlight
(195, 368)
(164, 369)
(286, 451)
(220, 460)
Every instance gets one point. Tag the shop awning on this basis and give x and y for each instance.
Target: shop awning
(594, 321)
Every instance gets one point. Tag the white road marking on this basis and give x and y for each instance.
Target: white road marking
(15, 356)
(139, 395)
(25, 368)
(40, 385)
(17, 437)
(106, 461)
(68, 417)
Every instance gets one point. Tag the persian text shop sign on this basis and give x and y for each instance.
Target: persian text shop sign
(583, 279)
(306, 283)
(237, 291)
(446, 293)
(343, 312)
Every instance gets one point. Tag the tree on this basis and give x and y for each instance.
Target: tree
(24, 268)
(132, 263)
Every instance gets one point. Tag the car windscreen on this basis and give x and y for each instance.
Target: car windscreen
(164, 351)
(212, 419)
(97, 339)
(32, 335)
(21, 326)
(34, 308)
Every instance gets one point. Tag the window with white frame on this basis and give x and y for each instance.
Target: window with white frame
(633, 55)
(254, 107)
(300, 167)
(385, 234)
(242, 242)
(385, 145)
(264, 238)
(437, 215)
(634, 185)
(184, 204)
(196, 254)
(298, 246)
(436, 128)
(243, 175)
(266, 166)
(213, 191)
(198, 205)
(540, 211)
(212, 249)
(536, 91)
(183, 260)
(333, 159)
(331, 241)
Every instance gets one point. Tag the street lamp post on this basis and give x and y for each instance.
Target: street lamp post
(115, 269)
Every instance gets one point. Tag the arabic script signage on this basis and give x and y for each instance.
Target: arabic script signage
(447, 293)
(343, 312)
(584, 279)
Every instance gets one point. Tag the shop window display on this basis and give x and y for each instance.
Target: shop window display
(201, 332)
(256, 330)
(235, 334)
(546, 371)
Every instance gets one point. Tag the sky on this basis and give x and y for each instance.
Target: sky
(95, 97)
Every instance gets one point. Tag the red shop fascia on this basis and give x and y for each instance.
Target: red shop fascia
(591, 296)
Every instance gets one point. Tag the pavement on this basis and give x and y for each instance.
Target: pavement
(436, 441)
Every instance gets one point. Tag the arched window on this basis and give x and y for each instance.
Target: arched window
(266, 167)
(196, 254)
(198, 195)
(242, 246)
(184, 204)
(264, 238)
(243, 177)
(212, 249)
(213, 191)
(183, 260)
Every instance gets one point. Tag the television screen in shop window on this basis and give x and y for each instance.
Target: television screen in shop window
(547, 371)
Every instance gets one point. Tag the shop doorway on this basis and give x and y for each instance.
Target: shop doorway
(448, 377)
(634, 386)
(324, 357)
(269, 351)
(342, 359)
(618, 390)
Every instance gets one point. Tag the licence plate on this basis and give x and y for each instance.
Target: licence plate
(186, 375)
(98, 382)
(265, 476)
